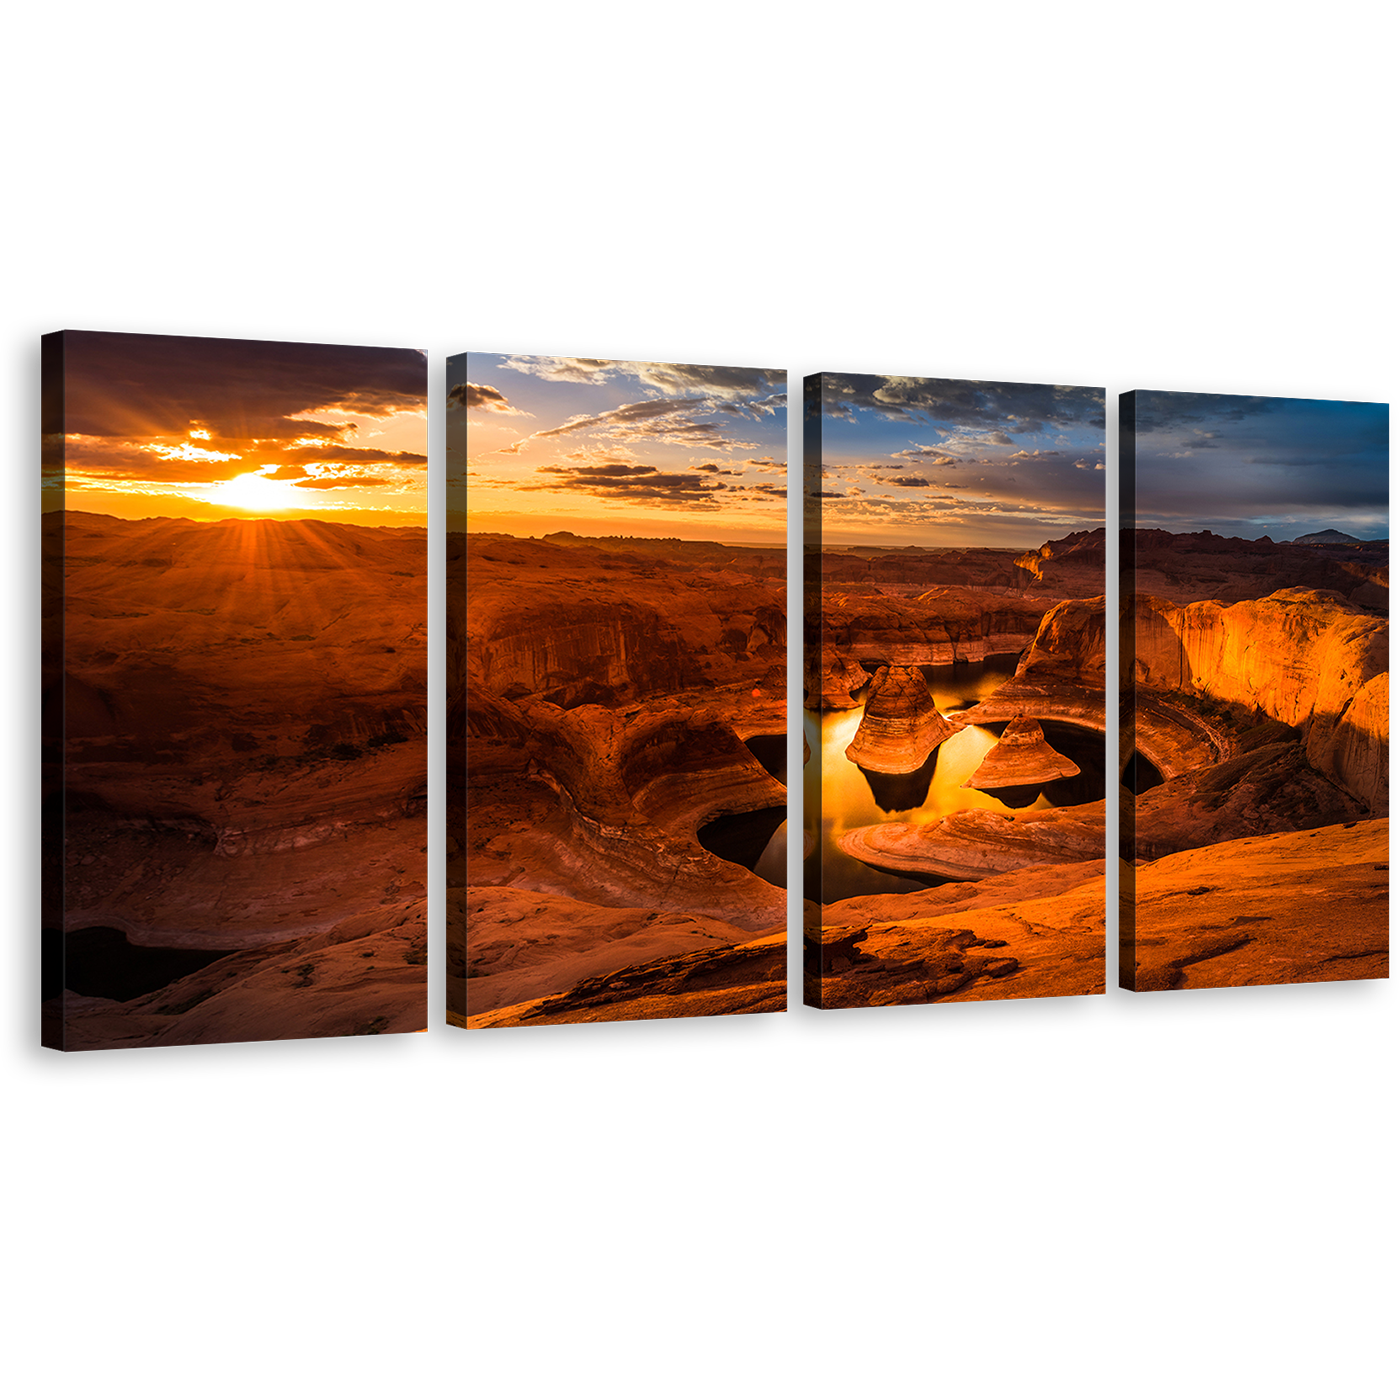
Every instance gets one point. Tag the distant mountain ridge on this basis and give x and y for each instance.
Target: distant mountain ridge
(1333, 537)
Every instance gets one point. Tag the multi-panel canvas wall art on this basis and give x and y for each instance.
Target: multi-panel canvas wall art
(954, 690)
(1255, 643)
(616, 715)
(235, 690)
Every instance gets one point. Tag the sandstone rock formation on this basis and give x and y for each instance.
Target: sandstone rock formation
(1196, 567)
(580, 623)
(971, 845)
(742, 979)
(938, 627)
(1072, 567)
(525, 945)
(1061, 674)
(1265, 787)
(831, 684)
(1048, 612)
(1298, 907)
(904, 568)
(932, 628)
(242, 757)
(1257, 684)
(1299, 656)
(1174, 737)
(608, 807)
(1038, 932)
(365, 975)
(1021, 758)
(901, 725)
(610, 685)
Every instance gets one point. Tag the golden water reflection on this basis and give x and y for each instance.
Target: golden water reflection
(839, 796)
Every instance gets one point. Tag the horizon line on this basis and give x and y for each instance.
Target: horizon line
(777, 542)
(226, 519)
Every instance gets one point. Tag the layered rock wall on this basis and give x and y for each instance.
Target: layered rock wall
(1300, 656)
(1201, 566)
(933, 629)
(581, 625)
(607, 644)
(937, 628)
(1061, 676)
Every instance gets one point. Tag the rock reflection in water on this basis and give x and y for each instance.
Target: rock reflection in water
(901, 792)
(1020, 796)
(1084, 747)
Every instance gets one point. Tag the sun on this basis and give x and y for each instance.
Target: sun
(253, 491)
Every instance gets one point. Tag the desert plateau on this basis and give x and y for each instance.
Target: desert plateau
(236, 776)
(625, 746)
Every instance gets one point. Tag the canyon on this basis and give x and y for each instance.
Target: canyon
(235, 763)
(960, 685)
(1256, 687)
(605, 694)
(1254, 771)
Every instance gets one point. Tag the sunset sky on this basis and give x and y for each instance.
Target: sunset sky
(209, 429)
(1248, 466)
(620, 447)
(948, 463)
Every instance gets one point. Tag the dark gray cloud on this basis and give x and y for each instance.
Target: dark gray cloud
(479, 396)
(634, 482)
(664, 420)
(1159, 411)
(907, 481)
(969, 404)
(333, 453)
(709, 381)
(142, 386)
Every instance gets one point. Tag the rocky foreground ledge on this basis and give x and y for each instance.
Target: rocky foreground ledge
(726, 981)
(1037, 933)
(366, 975)
(1308, 906)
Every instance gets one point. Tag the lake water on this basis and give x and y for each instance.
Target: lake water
(838, 795)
